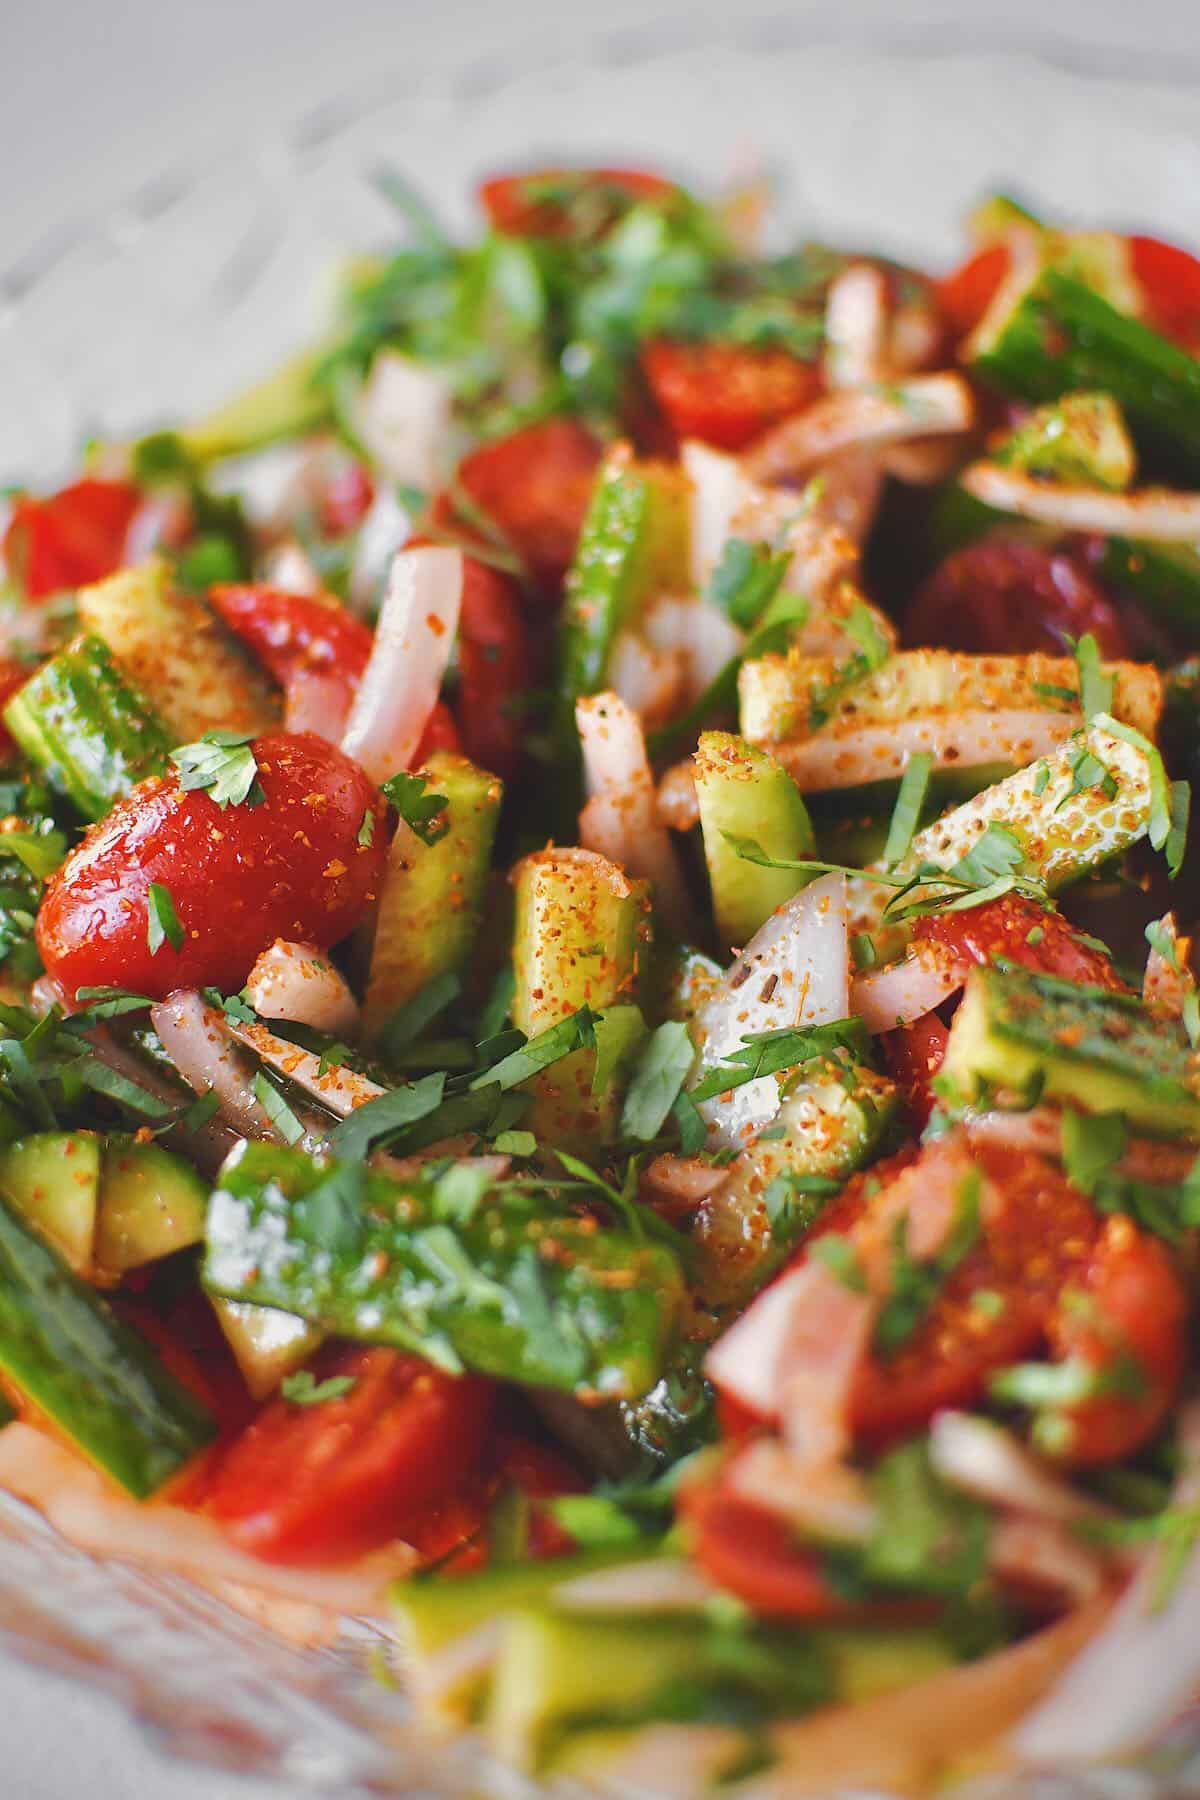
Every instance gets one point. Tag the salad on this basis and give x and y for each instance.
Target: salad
(599, 1062)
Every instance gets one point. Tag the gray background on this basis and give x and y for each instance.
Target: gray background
(100, 95)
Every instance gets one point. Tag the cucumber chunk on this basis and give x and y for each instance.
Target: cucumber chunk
(151, 1204)
(742, 790)
(53, 1180)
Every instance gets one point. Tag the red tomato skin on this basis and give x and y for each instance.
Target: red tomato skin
(724, 394)
(326, 1483)
(70, 538)
(1001, 929)
(535, 484)
(1002, 596)
(1135, 1307)
(291, 867)
(966, 293)
(345, 499)
(750, 1553)
(493, 668)
(506, 202)
(294, 633)
(440, 733)
(912, 1056)
(1170, 282)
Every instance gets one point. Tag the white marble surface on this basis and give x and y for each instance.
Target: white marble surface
(100, 96)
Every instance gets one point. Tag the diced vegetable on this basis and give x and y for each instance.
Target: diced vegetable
(151, 1204)
(53, 1180)
(1081, 437)
(88, 731)
(743, 791)
(511, 1289)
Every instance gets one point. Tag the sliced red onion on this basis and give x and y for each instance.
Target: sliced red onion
(699, 634)
(986, 1460)
(906, 990)
(682, 1181)
(1168, 979)
(663, 1584)
(1143, 1668)
(853, 751)
(720, 492)
(339, 1090)
(620, 820)
(386, 529)
(403, 418)
(208, 1144)
(653, 683)
(678, 803)
(794, 971)
(413, 643)
(856, 419)
(295, 981)
(924, 463)
(1159, 515)
(1045, 1556)
(289, 567)
(317, 702)
(856, 327)
(200, 1043)
(830, 1503)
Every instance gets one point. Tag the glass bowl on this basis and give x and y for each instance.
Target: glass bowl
(206, 276)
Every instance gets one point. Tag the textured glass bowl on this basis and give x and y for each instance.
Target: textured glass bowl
(206, 276)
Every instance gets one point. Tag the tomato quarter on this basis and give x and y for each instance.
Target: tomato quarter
(725, 394)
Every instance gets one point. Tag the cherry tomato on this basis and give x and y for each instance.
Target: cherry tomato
(292, 867)
(1128, 1322)
(752, 1554)
(579, 204)
(292, 633)
(1002, 596)
(535, 485)
(184, 1333)
(912, 1056)
(331, 1481)
(70, 538)
(1170, 283)
(541, 1473)
(440, 733)
(723, 393)
(345, 499)
(1005, 927)
(965, 294)
(1037, 1238)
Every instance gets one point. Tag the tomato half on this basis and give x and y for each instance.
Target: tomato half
(535, 485)
(966, 293)
(752, 1554)
(1170, 281)
(331, 1481)
(440, 733)
(1129, 1324)
(912, 1056)
(1003, 596)
(295, 633)
(578, 204)
(291, 867)
(1021, 932)
(69, 538)
(725, 394)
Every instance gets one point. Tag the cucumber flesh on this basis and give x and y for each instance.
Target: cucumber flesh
(53, 1180)
(267, 1345)
(151, 1204)
(99, 1383)
(743, 791)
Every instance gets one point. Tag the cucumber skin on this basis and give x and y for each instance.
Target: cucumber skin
(62, 1346)
(742, 789)
(86, 728)
(550, 1303)
(1061, 337)
(1166, 577)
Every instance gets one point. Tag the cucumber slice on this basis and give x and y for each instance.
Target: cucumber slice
(170, 644)
(102, 1386)
(151, 1204)
(1165, 577)
(743, 791)
(1081, 438)
(1103, 1052)
(286, 404)
(266, 1344)
(53, 1180)
(86, 729)
(431, 908)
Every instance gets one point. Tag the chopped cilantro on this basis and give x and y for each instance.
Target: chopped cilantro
(223, 764)
(162, 922)
(659, 1073)
(915, 1285)
(302, 1389)
(841, 1259)
(277, 1109)
(1095, 687)
(914, 785)
(746, 578)
(366, 831)
(422, 811)
(771, 1052)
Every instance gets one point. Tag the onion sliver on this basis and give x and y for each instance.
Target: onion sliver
(921, 406)
(620, 821)
(403, 677)
(295, 981)
(1159, 515)
(856, 752)
(906, 990)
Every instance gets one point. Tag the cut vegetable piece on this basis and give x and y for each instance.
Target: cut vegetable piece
(794, 697)
(413, 643)
(431, 907)
(294, 981)
(1158, 514)
(1080, 438)
(96, 1379)
(403, 419)
(620, 820)
(863, 418)
(1104, 1052)
(1048, 334)
(834, 1117)
(512, 1290)
(151, 1204)
(86, 729)
(581, 935)
(266, 1344)
(794, 971)
(742, 791)
(287, 404)
(1063, 829)
(53, 1180)
(178, 656)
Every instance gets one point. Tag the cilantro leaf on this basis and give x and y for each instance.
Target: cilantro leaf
(162, 922)
(1095, 687)
(301, 1389)
(223, 763)
(771, 1052)
(914, 784)
(277, 1109)
(421, 1009)
(578, 1032)
(659, 1074)
(421, 811)
(915, 1285)
(1169, 801)
(109, 1002)
(1161, 938)
(747, 576)
(382, 1118)
(1092, 1146)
